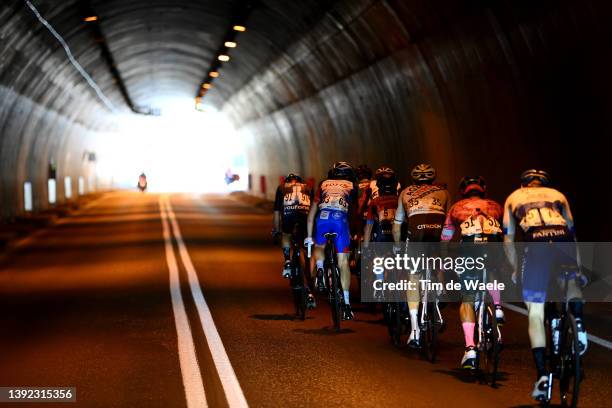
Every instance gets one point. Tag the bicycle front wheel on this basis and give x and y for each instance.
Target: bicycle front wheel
(569, 363)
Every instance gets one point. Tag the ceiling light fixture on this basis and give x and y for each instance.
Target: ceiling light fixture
(223, 57)
(230, 44)
(240, 28)
(90, 18)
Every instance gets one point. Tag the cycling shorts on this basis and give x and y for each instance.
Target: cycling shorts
(333, 221)
(295, 223)
(425, 227)
(540, 261)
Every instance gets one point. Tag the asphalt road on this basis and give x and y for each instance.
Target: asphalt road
(94, 303)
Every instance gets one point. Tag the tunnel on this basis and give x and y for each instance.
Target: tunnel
(227, 97)
(486, 87)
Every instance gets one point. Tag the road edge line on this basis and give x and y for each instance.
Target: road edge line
(592, 338)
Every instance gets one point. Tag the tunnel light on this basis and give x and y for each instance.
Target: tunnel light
(213, 74)
(90, 19)
(223, 57)
(230, 44)
(207, 86)
(240, 28)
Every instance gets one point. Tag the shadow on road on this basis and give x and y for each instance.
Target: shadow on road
(324, 331)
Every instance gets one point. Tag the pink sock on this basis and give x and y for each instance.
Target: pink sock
(468, 333)
(496, 295)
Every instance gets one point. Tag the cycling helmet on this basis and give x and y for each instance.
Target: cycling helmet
(383, 171)
(472, 183)
(363, 172)
(423, 173)
(532, 174)
(342, 171)
(293, 176)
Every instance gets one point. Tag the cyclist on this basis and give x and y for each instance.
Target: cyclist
(336, 201)
(474, 218)
(291, 206)
(381, 211)
(422, 205)
(142, 182)
(544, 215)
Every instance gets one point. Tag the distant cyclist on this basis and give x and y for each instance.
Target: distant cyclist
(142, 182)
(544, 215)
(422, 205)
(291, 207)
(474, 219)
(335, 203)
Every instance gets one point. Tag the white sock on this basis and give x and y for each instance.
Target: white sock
(346, 297)
(414, 323)
(319, 264)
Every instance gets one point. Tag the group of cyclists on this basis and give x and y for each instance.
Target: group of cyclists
(355, 204)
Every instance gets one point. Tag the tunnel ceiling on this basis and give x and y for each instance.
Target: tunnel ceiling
(165, 48)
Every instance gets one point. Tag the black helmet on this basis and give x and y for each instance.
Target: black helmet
(383, 171)
(423, 173)
(363, 172)
(532, 174)
(293, 176)
(472, 183)
(342, 171)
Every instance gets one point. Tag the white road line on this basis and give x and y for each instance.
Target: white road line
(231, 386)
(192, 376)
(592, 338)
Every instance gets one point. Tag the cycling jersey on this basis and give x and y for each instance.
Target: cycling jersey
(474, 219)
(424, 206)
(381, 213)
(544, 216)
(541, 212)
(334, 199)
(293, 202)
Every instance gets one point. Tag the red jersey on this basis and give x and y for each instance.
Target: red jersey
(473, 218)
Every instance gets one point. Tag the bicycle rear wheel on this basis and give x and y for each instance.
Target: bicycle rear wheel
(569, 363)
(394, 322)
(335, 297)
(429, 333)
(488, 358)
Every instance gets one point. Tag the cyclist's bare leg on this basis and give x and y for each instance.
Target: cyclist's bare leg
(537, 336)
(468, 321)
(414, 299)
(345, 274)
(286, 245)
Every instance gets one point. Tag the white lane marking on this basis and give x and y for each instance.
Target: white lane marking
(231, 386)
(597, 340)
(190, 370)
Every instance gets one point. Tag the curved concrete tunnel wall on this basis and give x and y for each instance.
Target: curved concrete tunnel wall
(469, 88)
(47, 111)
(473, 87)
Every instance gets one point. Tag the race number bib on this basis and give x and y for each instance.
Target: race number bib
(296, 197)
(480, 225)
(537, 217)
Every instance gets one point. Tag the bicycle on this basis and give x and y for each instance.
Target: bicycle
(488, 334)
(296, 281)
(394, 313)
(332, 277)
(564, 359)
(430, 321)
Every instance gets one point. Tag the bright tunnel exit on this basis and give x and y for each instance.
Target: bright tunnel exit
(183, 150)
